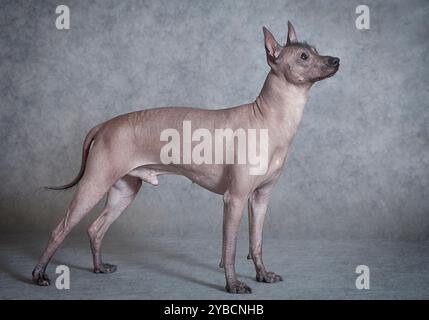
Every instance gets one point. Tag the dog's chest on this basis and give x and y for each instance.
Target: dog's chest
(275, 167)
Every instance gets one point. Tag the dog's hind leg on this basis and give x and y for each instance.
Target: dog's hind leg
(99, 176)
(120, 195)
(81, 204)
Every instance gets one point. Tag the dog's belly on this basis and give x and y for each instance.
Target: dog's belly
(210, 177)
(215, 178)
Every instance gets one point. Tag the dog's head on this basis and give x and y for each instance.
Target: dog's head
(298, 62)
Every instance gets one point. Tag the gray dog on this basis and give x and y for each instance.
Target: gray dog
(121, 153)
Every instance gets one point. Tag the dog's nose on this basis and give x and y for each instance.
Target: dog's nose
(333, 62)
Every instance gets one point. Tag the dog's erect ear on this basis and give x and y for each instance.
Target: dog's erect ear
(291, 34)
(271, 46)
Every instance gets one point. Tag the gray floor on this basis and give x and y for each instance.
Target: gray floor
(159, 268)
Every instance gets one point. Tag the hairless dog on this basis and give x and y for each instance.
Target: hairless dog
(122, 152)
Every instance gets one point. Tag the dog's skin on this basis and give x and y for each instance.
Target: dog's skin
(126, 151)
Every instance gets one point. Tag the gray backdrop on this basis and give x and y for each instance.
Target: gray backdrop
(358, 166)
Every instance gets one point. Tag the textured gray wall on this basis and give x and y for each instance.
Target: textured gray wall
(358, 166)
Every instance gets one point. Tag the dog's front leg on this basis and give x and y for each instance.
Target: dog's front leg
(258, 205)
(232, 213)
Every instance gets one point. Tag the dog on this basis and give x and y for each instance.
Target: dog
(121, 153)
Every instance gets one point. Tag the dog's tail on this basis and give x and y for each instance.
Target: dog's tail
(85, 151)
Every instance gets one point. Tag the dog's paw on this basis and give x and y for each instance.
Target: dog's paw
(268, 277)
(238, 287)
(105, 268)
(41, 279)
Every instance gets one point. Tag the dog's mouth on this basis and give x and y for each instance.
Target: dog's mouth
(332, 71)
(335, 69)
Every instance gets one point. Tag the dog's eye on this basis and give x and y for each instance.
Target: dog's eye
(304, 56)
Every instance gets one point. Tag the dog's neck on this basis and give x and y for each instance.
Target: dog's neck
(282, 103)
